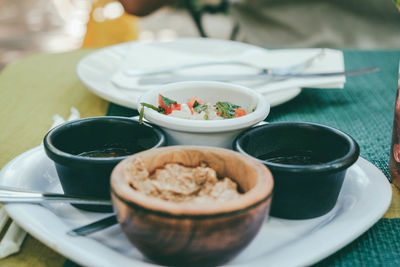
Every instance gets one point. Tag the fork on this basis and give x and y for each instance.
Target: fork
(278, 70)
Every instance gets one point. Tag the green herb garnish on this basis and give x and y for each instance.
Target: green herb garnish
(226, 109)
(149, 106)
(161, 110)
(141, 113)
(199, 107)
(167, 102)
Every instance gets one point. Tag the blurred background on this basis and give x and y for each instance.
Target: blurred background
(30, 26)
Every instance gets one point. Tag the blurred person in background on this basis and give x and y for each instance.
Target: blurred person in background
(366, 24)
(31, 26)
(108, 24)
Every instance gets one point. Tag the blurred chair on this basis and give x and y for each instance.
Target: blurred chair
(109, 24)
(198, 8)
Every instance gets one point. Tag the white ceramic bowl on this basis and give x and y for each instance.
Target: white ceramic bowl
(205, 132)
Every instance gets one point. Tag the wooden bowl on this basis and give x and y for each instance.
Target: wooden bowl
(186, 233)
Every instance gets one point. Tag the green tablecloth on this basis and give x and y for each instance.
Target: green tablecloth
(44, 84)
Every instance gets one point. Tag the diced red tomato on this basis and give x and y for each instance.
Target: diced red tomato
(176, 106)
(239, 112)
(167, 109)
(190, 103)
(161, 102)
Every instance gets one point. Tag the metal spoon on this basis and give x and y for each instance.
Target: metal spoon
(12, 195)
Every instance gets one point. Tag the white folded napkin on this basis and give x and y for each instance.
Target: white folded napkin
(148, 57)
(15, 235)
(12, 239)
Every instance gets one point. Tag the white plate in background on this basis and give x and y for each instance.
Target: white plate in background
(98, 69)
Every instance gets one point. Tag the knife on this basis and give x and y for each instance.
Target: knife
(243, 77)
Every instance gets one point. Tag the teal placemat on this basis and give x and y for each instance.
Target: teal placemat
(379, 246)
(116, 110)
(364, 110)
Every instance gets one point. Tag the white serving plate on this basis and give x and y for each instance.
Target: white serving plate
(365, 196)
(97, 69)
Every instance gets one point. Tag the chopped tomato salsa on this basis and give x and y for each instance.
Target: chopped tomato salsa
(167, 104)
(195, 108)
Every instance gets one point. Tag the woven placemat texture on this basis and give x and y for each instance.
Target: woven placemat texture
(363, 109)
(35, 88)
(379, 246)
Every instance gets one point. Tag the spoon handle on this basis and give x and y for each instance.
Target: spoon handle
(8, 195)
(94, 227)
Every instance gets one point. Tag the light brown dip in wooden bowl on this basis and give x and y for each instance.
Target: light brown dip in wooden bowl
(177, 183)
(185, 232)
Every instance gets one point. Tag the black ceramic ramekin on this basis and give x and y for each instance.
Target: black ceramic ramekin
(90, 176)
(303, 189)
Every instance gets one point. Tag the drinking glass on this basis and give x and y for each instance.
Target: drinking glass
(394, 159)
